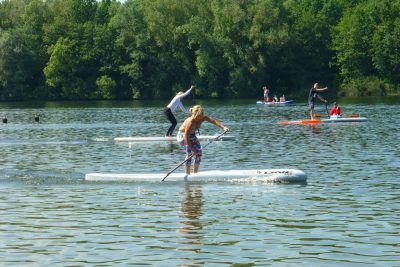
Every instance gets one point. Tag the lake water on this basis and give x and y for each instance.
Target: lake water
(348, 213)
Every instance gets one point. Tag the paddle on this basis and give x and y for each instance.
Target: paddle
(180, 164)
(326, 108)
(353, 116)
(319, 115)
(194, 103)
(193, 100)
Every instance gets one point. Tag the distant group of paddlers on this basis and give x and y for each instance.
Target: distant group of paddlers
(267, 97)
(313, 94)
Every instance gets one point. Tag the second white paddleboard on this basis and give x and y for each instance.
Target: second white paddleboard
(170, 139)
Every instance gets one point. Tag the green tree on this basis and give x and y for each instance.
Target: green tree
(74, 62)
(35, 16)
(212, 70)
(63, 68)
(106, 87)
(12, 73)
(311, 56)
(160, 62)
(22, 55)
(108, 49)
(386, 43)
(11, 14)
(366, 41)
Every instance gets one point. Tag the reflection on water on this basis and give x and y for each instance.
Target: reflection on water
(192, 211)
(315, 129)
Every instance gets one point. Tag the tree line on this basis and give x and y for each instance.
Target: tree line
(140, 49)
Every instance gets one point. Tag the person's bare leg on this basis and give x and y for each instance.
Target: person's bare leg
(187, 166)
(196, 168)
(187, 169)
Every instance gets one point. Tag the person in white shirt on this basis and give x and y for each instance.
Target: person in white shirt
(175, 103)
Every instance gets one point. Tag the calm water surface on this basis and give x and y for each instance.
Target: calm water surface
(348, 214)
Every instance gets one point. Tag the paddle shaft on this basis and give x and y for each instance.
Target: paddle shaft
(327, 112)
(183, 162)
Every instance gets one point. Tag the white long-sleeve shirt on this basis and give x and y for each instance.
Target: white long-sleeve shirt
(176, 102)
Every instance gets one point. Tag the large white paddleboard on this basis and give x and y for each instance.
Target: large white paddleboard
(171, 139)
(266, 176)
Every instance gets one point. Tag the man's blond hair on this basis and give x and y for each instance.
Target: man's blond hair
(197, 111)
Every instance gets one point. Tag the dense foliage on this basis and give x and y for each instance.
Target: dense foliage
(140, 49)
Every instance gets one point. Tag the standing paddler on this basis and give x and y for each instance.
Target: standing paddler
(187, 136)
(175, 103)
(311, 98)
(266, 93)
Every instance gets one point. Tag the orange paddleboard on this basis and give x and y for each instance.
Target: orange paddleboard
(332, 119)
(302, 122)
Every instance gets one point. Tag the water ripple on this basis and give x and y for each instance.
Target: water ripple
(346, 215)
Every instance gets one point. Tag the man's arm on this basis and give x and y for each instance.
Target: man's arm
(321, 89)
(320, 98)
(216, 123)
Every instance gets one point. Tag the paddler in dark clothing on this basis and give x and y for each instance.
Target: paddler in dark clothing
(311, 98)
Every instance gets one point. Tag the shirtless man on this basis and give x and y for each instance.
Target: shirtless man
(187, 136)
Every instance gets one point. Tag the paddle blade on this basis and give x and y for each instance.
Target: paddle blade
(318, 115)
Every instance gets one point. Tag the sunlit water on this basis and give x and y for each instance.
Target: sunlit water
(347, 214)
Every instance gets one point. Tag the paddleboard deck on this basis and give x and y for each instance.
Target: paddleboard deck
(171, 139)
(344, 119)
(243, 176)
(275, 103)
(320, 121)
